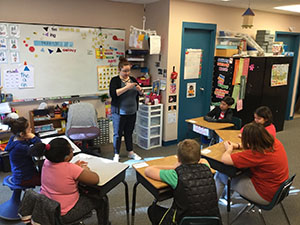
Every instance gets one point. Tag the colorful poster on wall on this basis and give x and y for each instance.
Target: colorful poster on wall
(104, 74)
(193, 63)
(279, 74)
(191, 90)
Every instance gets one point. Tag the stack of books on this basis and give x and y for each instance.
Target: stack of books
(265, 40)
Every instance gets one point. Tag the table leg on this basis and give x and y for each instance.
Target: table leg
(127, 201)
(228, 193)
(126, 196)
(133, 202)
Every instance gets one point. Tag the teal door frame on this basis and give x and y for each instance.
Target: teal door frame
(279, 36)
(211, 28)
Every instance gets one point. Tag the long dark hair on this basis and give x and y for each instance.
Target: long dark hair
(257, 138)
(265, 112)
(55, 151)
(17, 126)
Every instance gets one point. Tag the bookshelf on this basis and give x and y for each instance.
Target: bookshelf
(44, 126)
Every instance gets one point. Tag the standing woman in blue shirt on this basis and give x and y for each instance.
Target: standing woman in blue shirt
(23, 170)
(124, 91)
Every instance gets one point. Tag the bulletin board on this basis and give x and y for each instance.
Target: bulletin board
(48, 61)
(222, 79)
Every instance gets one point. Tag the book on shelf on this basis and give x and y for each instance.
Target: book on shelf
(48, 133)
(133, 59)
(43, 128)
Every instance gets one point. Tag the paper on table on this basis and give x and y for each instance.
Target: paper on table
(205, 151)
(192, 121)
(140, 165)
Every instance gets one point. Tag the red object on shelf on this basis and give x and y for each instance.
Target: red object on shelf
(143, 81)
(2, 146)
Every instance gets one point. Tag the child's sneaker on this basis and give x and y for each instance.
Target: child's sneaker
(116, 158)
(134, 156)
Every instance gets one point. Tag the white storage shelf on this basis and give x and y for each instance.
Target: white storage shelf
(149, 126)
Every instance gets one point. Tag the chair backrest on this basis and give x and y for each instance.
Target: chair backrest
(282, 192)
(81, 115)
(200, 220)
(41, 207)
(237, 122)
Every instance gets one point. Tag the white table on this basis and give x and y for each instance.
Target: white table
(75, 147)
(110, 173)
(105, 168)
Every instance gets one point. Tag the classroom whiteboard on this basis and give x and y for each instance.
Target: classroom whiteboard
(48, 61)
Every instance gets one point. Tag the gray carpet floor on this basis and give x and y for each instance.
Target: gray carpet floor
(290, 138)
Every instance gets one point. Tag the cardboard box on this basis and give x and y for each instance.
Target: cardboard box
(226, 52)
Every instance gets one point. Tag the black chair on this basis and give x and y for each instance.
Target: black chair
(38, 207)
(82, 126)
(200, 220)
(237, 122)
(282, 193)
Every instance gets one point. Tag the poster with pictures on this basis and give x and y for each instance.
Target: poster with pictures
(104, 74)
(172, 108)
(3, 57)
(172, 98)
(172, 88)
(3, 44)
(13, 44)
(279, 74)
(3, 30)
(14, 57)
(14, 30)
(191, 90)
(156, 87)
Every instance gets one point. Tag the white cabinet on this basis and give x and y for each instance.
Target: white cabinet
(149, 126)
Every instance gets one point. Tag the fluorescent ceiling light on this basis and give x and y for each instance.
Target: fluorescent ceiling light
(291, 8)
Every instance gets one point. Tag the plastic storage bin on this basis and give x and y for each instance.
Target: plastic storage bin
(149, 126)
(149, 143)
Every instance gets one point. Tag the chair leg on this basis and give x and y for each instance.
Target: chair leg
(261, 216)
(287, 218)
(250, 206)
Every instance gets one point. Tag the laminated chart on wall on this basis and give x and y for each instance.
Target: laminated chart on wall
(105, 73)
(61, 60)
(193, 63)
(222, 79)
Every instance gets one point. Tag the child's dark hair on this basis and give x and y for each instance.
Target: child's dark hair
(265, 112)
(228, 100)
(123, 62)
(17, 126)
(55, 151)
(188, 151)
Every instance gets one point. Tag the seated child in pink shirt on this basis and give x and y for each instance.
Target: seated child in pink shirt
(60, 178)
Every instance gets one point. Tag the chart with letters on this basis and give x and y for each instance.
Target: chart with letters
(46, 61)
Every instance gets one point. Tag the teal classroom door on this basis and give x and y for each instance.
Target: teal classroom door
(196, 36)
(292, 40)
